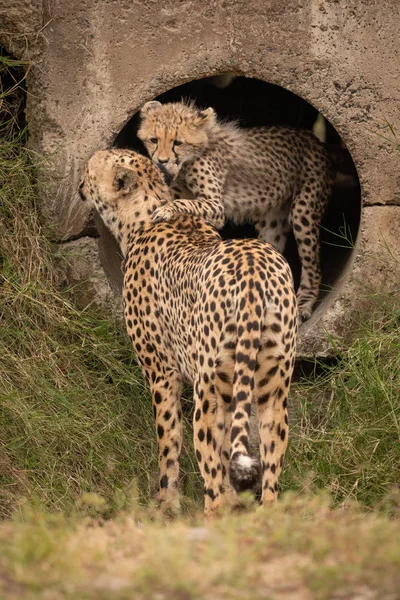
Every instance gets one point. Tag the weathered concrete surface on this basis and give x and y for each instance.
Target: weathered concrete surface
(100, 61)
(375, 266)
(20, 25)
(95, 62)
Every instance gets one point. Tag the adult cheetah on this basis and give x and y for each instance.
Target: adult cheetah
(221, 314)
(276, 177)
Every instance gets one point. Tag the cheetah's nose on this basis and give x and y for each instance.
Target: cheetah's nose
(162, 161)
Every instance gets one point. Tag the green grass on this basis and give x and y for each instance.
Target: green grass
(74, 409)
(347, 433)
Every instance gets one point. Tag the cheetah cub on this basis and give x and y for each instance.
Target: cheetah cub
(220, 314)
(276, 177)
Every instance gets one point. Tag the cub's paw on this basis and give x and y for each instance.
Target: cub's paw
(304, 313)
(164, 213)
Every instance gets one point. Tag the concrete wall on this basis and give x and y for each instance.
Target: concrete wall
(96, 62)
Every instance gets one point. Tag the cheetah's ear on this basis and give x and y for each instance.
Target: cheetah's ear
(205, 116)
(124, 182)
(148, 107)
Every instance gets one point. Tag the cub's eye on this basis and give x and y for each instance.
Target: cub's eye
(177, 143)
(153, 140)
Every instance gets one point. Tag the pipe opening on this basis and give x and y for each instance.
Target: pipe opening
(252, 102)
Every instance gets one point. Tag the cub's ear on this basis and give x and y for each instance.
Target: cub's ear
(206, 116)
(148, 107)
(124, 182)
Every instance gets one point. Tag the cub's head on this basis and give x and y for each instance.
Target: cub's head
(174, 133)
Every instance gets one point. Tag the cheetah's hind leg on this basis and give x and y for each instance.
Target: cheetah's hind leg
(274, 227)
(271, 401)
(306, 224)
(166, 391)
(208, 435)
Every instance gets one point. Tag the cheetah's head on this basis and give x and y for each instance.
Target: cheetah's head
(174, 133)
(124, 187)
(110, 176)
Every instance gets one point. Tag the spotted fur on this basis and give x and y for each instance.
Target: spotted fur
(220, 314)
(279, 178)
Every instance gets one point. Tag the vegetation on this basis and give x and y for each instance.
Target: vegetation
(75, 413)
(78, 458)
(347, 433)
(301, 550)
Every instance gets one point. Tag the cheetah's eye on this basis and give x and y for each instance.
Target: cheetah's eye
(153, 140)
(177, 143)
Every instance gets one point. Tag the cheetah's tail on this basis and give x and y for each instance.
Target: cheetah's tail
(245, 470)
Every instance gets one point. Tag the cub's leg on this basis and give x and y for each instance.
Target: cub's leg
(271, 394)
(306, 214)
(208, 434)
(165, 391)
(274, 227)
(179, 190)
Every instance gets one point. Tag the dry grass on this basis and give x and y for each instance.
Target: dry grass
(302, 550)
